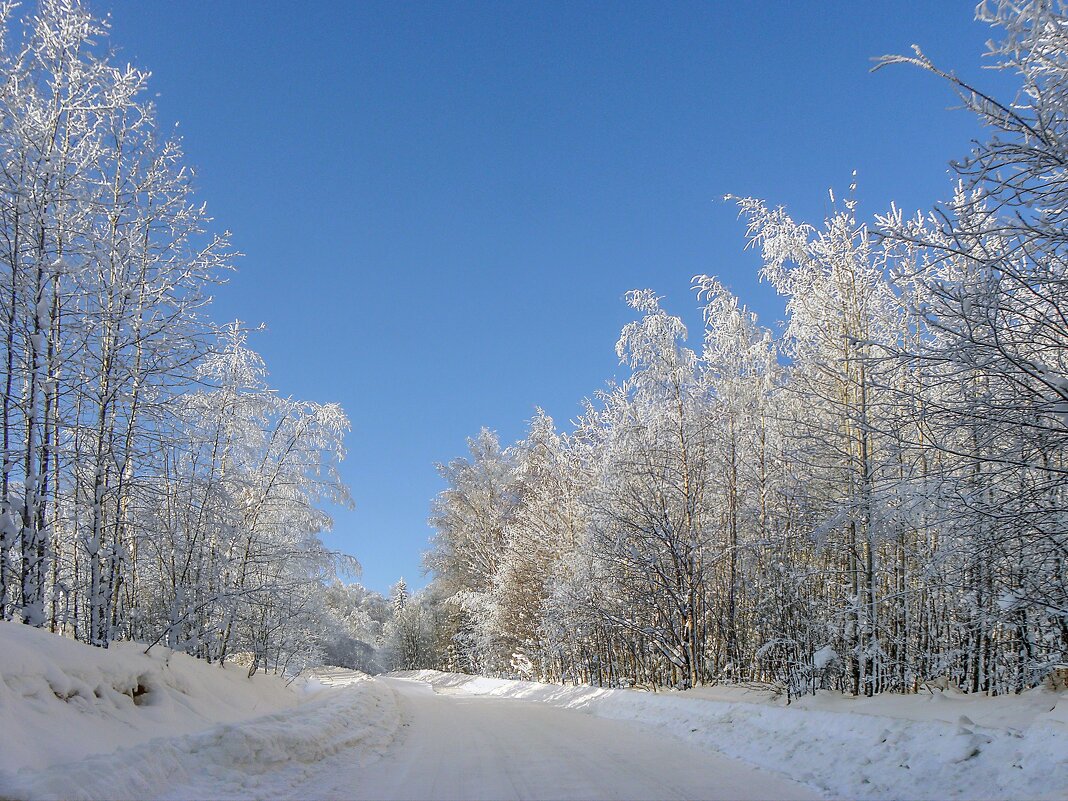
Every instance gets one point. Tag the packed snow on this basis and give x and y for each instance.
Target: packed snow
(936, 745)
(469, 747)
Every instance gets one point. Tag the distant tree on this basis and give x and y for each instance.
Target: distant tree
(398, 595)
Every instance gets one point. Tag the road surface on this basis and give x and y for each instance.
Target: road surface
(463, 747)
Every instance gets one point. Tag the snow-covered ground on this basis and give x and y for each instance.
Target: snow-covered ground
(80, 722)
(934, 745)
(467, 747)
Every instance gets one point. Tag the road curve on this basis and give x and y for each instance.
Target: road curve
(463, 747)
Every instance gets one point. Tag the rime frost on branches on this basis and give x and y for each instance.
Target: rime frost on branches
(151, 485)
(872, 500)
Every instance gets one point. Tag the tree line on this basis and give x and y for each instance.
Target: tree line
(153, 486)
(872, 498)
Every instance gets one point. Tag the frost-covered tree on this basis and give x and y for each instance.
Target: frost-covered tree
(742, 380)
(871, 500)
(840, 311)
(543, 528)
(649, 528)
(470, 516)
(354, 635)
(152, 486)
(991, 267)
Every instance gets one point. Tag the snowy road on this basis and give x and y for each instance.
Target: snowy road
(460, 747)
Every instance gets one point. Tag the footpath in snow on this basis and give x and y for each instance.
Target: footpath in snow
(80, 722)
(940, 745)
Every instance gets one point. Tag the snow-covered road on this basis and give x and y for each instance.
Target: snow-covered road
(462, 747)
(80, 724)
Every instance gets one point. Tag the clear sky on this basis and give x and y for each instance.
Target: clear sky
(442, 204)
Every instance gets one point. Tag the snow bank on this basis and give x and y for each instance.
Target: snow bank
(61, 700)
(260, 757)
(941, 745)
(82, 722)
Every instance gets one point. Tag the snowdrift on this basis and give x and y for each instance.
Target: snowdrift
(81, 722)
(933, 746)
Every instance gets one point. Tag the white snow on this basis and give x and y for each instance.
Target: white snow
(72, 730)
(934, 745)
(469, 747)
(824, 658)
(81, 722)
(61, 700)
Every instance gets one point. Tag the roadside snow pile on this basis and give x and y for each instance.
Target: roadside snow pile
(61, 700)
(941, 745)
(81, 722)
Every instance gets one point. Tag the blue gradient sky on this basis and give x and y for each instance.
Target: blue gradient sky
(442, 204)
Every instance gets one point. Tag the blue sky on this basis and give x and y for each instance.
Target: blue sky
(442, 204)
